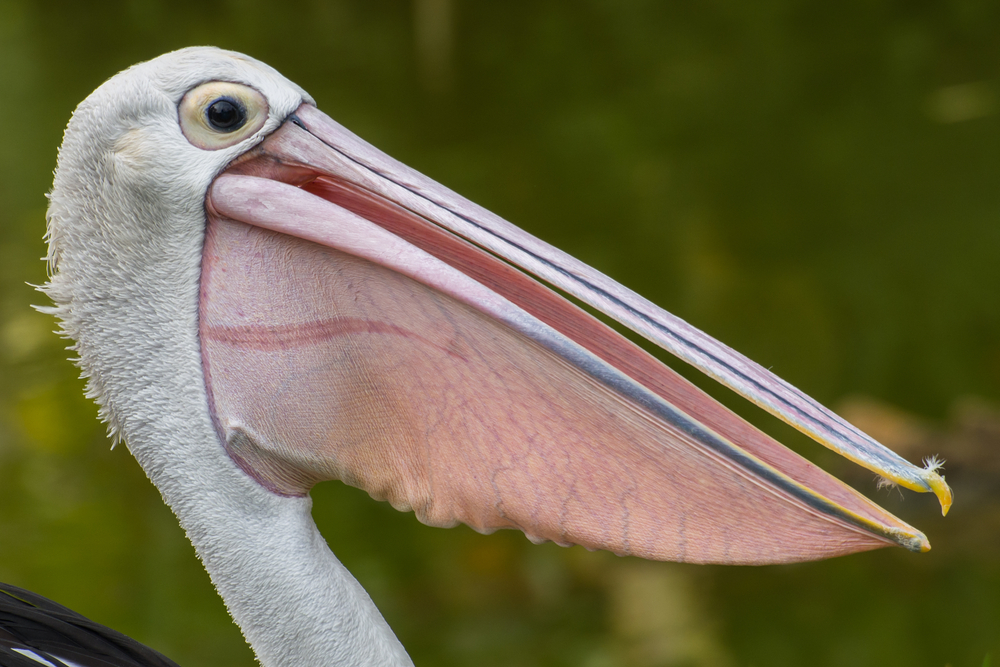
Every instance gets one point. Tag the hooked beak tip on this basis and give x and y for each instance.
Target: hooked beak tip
(941, 490)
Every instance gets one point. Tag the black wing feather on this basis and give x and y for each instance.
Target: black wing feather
(30, 622)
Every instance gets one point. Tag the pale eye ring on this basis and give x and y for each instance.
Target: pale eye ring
(220, 114)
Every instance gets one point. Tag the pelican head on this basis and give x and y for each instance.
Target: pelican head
(261, 301)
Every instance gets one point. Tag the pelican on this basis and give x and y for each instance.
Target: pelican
(260, 301)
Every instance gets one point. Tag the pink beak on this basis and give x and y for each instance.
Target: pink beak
(361, 322)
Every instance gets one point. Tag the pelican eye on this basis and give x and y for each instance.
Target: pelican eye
(220, 114)
(226, 115)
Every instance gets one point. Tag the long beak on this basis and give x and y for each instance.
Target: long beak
(315, 181)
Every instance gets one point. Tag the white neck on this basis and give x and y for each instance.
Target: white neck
(126, 288)
(294, 601)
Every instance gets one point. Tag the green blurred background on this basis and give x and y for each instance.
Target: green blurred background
(816, 184)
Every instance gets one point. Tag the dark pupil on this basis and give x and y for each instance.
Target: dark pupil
(226, 115)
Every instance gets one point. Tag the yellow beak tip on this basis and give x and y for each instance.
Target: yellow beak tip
(942, 491)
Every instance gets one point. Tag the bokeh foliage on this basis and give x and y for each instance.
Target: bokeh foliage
(813, 183)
